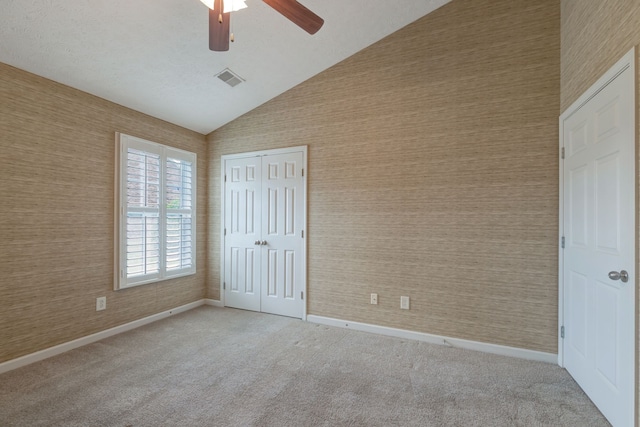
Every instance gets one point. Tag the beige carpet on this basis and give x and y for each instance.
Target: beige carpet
(225, 367)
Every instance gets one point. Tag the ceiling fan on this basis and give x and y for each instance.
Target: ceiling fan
(219, 18)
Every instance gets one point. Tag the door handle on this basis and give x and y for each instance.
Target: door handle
(264, 242)
(622, 276)
(257, 242)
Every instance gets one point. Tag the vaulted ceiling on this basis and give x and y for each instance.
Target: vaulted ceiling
(153, 55)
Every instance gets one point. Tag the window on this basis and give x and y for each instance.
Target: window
(155, 217)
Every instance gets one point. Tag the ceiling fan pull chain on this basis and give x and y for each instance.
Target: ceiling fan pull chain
(232, 37)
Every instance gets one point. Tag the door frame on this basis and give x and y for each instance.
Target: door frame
(628, 61)
(262, 153)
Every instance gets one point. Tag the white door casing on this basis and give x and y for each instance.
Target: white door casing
(263, 266)
(597, 225)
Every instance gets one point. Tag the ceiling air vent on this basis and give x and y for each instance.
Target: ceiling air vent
(229, 77)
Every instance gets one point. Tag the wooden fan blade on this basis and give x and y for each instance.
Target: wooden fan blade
(298, 14)
(218, 32)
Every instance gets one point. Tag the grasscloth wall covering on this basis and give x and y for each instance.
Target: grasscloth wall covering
(432, 174)
(56, 221)
(595, 35)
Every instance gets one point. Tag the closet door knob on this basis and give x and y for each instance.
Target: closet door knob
(622, 275)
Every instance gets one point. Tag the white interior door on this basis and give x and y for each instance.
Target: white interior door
(242, 230)
(598, 303)
(264, 265)
(282, 222)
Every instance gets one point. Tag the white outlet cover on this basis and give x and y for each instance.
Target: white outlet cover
(404, 303)
(374, 298)
(101, 303)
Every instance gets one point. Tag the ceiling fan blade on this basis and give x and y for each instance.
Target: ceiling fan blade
(218, 32)
(298, 14)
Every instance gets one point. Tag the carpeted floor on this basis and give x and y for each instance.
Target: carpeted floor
(224, 367)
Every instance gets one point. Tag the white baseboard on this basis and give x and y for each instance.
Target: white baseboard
(213, 302)
(62, 348)
(437, 339)
(365, 327)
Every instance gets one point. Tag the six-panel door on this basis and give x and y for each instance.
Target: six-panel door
(242, 225)
(264, 245)
(599, 209)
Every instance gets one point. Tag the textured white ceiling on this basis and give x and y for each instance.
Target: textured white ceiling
(153, 55)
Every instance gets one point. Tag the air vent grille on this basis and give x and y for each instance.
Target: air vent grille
(229, 77)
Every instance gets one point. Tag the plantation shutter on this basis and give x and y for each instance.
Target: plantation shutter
(156, 218)
(143, 214)
(179, 201)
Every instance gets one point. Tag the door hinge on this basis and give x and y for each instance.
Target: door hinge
(301, 295)
(562, 154)
(302, 171)
(562, 332)
(224, 286)
(562, 242)
(225, 178)
(225, 231)
(302, 234)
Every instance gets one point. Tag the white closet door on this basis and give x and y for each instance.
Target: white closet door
(264, 219)
(282, 222)
(243, 224)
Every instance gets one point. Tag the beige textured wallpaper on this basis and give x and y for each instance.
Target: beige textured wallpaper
(432, 173)
(56, 221)
(595, 35)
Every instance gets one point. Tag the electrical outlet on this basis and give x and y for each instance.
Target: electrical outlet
(101, 303)
(374, 298)
(404, 303)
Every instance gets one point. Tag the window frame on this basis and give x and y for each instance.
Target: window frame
(123, 144)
